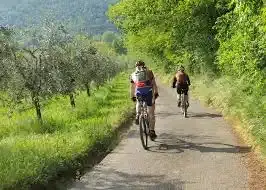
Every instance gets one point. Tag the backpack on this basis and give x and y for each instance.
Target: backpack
(181, 77)
(142, 78)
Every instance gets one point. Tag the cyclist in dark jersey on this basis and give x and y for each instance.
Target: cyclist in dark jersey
(181, 81)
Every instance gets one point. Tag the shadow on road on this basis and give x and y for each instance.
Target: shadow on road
(133, 133)
(167, 114)
(190, 115)
(106, 178)
(174, 144)
(205, 115)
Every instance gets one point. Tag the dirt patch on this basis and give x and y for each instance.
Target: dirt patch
(254, 161)
(257, 179)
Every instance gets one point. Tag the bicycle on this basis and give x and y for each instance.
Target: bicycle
(144, 128)
(184, 105)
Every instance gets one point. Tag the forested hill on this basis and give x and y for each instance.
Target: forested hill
(78, 15)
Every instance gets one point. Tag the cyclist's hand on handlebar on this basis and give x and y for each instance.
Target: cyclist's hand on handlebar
(156, 95)
(173, 84)
(134, 99)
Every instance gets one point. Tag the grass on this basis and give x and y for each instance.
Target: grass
(34, 154)
(245, 110)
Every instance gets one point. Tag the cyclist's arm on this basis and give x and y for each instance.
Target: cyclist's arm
(174, 81)
(154, 84)
(155, 87)
(188, 80)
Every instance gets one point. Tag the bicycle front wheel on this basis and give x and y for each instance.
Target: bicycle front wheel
(143, 132)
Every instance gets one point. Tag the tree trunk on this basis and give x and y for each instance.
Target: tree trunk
(36, 103)
(72, 100)
(88, 89)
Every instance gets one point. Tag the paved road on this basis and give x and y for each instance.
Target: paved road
(199, 152)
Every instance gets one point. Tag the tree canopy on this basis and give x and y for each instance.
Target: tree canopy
(208, 36)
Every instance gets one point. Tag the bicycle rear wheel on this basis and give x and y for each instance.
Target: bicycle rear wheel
(184, 105)
(143, 132)
(185, 110)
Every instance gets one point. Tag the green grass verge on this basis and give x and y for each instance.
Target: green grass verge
(229, 96)
(35, 154)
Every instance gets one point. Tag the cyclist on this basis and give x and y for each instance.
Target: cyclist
(143, 83)
(181, 81)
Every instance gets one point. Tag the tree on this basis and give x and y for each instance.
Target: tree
(109, 37)
(171, 31)
(119, 47)
(6, 49)
(52, 62)
(61, 50)
(85, 58)
(31, 74)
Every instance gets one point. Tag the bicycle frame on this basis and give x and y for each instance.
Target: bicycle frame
(144, 109)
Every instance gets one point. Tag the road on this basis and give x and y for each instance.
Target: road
(195, 153)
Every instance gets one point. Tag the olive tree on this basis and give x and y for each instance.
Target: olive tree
(31, 76)
(86, 60)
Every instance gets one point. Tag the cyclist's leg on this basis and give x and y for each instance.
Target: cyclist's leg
(137, 112)
(178, 91)
(151, 112)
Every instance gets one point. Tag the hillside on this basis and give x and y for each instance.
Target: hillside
(79, 15)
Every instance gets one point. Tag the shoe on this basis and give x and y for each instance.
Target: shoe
(137, 120)
(179, 104)
(152, 134)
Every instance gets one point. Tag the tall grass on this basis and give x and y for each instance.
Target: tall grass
(33, 154)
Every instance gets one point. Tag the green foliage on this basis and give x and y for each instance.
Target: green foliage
(109, 37)
(119, 46)
(174, 31)
(114, 40)
(40, 152)
(242, 49)
(6, 49)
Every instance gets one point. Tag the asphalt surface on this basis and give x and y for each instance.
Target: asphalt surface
(199, 152)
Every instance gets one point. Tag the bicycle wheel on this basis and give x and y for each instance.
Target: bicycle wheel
(143, 132)
(185, 110)
(184, 105)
